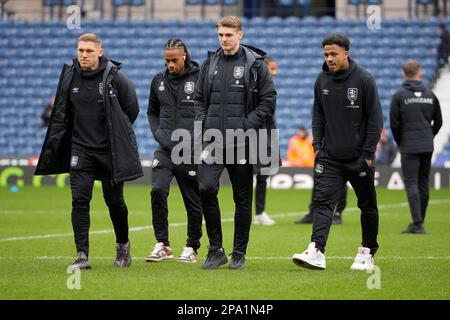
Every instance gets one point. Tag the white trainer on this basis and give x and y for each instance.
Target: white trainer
(363, 260)
(312, 258)
(159, 253)
(188, 255)
(263, 219)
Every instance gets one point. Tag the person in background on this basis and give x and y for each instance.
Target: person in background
(386, 149)
(415, 119)
(300, 150)
(261, 217)
(444, 46)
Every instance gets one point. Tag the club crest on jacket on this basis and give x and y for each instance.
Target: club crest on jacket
(352, 94)
(189, 87)
(238, 72)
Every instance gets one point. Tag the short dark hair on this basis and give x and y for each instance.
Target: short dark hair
(338, 39)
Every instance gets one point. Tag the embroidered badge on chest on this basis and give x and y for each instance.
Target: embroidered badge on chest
(352, 95)
(238, 72)
(189, 87)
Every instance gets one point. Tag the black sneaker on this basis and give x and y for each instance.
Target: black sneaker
(123, 256)
(337, 218)
(81, 262)
(215, 258)
(306, 219)
(413, 228)
(237, 261)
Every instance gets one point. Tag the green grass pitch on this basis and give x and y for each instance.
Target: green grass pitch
(37, 246)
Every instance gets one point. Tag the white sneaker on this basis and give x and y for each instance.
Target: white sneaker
(312, 258)
(160, 252)
(188, 255)
(263, 219)
(363, 260)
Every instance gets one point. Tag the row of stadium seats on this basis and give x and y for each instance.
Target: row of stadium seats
(31, 56)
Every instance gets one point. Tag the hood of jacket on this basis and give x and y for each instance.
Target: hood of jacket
(252, 52)
(414, 85)
(187, 71)
(102, 66)
(341, 75)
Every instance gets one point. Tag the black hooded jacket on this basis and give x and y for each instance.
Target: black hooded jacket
(415, 117)
(171, 104)
(121, 110)
(347, 118)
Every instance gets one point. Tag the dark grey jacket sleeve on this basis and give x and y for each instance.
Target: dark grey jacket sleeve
(395, 119)
(437, 116)
(374, 116)
(267, 99)
(318, 119)
(201, 109)
(127, 96)
(153, 110)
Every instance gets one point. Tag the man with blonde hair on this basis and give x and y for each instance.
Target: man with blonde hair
(90, 136)
(415, 119)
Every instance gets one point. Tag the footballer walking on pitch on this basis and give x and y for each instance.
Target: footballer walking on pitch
(171, 107)
(234, 92)
(346, 123)
(90, 135)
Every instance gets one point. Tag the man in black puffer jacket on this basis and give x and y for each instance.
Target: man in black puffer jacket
(234, 92)
(171, 107)
(90, 135)
(415, 119)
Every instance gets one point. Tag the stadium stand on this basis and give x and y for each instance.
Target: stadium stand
(31, 56)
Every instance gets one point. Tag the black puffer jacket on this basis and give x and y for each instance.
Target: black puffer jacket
(169, 109)
(247, 101)
(415, 117)
(121, 108)
(232, 108)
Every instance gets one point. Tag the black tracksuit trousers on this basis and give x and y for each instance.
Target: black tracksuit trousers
(340, 205)
(330, 175)
(260, 193)
(416, 172)
(241, 176)
(86, 167)
(163, 171)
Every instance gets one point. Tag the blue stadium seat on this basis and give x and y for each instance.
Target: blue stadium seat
(296, 48)
(48, 3)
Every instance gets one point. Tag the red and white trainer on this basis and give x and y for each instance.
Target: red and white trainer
(363, 260)
(311, 258)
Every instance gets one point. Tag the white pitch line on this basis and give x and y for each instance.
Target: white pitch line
(248, 258)
(182, 224)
